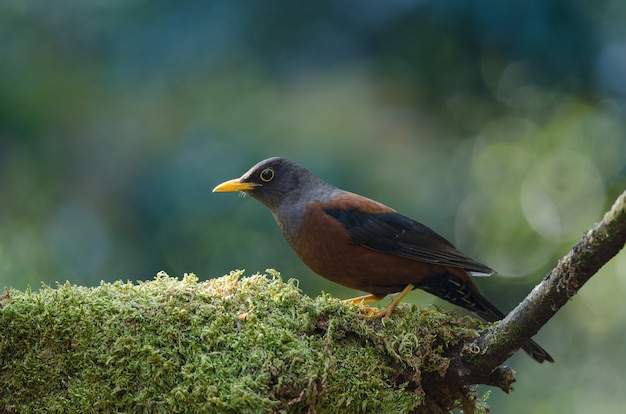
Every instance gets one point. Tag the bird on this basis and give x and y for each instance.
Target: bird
(365, 245)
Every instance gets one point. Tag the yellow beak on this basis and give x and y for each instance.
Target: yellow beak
(234, 185)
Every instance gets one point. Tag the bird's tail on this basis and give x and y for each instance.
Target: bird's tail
(458, 292)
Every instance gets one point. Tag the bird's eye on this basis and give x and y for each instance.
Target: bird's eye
(267, 175)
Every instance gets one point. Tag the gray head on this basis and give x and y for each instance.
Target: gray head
(279, 182)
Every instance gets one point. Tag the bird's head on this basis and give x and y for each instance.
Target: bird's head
(271, 181)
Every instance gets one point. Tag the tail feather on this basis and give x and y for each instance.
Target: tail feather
(464, 294)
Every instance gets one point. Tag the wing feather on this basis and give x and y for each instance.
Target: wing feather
(391, 232)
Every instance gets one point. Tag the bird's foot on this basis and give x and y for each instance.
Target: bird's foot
(386, 312)
(375, 313)
(370, 313)
(363, 299)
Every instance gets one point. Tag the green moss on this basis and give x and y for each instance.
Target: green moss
(234, 344)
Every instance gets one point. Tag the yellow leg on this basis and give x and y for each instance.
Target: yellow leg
(364, 299)
(387, 311)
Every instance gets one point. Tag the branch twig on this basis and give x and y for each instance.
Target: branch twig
(480, 362)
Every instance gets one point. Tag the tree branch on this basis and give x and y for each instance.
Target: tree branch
(479, 362)
(253, 344)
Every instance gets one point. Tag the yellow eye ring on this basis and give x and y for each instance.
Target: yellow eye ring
(267, 175)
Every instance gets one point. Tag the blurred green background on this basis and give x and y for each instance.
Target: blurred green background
(499, 124)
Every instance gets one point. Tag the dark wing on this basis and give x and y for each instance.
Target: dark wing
(392, 232)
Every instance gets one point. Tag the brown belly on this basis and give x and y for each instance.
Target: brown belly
(324, 245)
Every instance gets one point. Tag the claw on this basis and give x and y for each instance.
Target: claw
(374, 313)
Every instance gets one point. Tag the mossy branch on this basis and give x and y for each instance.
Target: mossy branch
(229, 345)
(257, 344)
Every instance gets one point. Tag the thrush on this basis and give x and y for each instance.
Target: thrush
(365, 245)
